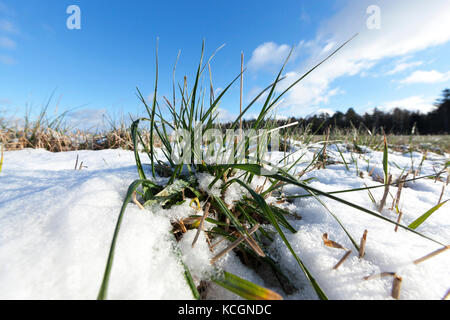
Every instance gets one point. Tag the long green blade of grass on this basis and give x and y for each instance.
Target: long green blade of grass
(104, 286)
(244, 288)
(414, 225)
(134, 135)
(385, 160)
(361, 189)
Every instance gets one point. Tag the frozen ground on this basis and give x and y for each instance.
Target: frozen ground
(56, 226)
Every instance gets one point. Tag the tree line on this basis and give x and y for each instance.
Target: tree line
(399, 121)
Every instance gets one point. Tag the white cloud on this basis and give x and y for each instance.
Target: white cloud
(413, 104)
(404, 66)
(328, 47)
(7, 43)
(407, 26)
(87, 118)
(224, 115)
(422, 76)
(268, 54)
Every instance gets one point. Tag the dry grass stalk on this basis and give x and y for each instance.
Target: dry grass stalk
(191, 220)
(136, 202)
(76, 164)
(254, 245)
(1, 155)
(396, 287)
(331, 243)
(386, 192)
(442, 192)
(202, 222)
(182, 226)
(213, 246)
(362, 246)
(323, 161)
(346, 255)
(380, 275)
(432, 254)
(400, 215)
(401, 183)
(233, 245)
(81, 166)
(447, 295)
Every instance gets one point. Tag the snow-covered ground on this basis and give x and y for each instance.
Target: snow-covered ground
(56, 226)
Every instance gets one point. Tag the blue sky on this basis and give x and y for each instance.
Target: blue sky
(96, 69)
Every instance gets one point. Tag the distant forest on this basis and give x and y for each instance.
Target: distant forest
(398, 121)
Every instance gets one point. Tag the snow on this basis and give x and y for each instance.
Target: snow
(204, 180)
(56, 226)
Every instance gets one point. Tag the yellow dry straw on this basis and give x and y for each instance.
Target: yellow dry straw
(1, 158)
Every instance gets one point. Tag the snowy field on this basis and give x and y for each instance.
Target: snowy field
(56, 226)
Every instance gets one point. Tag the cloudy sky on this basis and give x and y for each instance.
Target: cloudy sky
(400, 57)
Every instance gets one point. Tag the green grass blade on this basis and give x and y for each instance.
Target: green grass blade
(342, 157)
(385, 161)
(190, 282)
(223, 208)
(361, 189)
(244, 288)
(414, 225)
(134, 137)
(104, 286)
